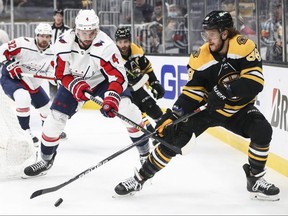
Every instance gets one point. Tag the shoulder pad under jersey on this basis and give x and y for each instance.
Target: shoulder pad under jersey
(240, 46)
(22, 42)
(202, 58)
(136, 50)
(103, 46)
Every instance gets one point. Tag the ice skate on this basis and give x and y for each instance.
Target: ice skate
(259, 188)
(130, 186)
(39, 168)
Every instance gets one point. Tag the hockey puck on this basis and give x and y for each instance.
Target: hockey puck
(58, 202)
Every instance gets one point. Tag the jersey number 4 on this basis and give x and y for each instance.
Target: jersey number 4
(115, 59)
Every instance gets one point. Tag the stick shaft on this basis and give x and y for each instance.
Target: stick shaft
(145, 131)
(87, 171)
(13, 64)
(38, 76)
(147, 136)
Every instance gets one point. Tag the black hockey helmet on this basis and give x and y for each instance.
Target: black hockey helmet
(217, 20)
(58, 11)
(122, 33)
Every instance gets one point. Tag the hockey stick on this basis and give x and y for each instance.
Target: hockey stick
(183, 151)
(13, 64)
(38, 76)
(147, 136)
(140, 83)
(85, 172)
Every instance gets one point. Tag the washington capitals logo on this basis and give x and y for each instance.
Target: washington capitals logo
(61, 40)
(98, 44)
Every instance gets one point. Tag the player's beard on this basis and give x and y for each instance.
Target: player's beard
(217, 48)
(43, 45)
(124, 50)
(85, 44)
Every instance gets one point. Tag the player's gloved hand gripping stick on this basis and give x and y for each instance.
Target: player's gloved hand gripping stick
(14, 65)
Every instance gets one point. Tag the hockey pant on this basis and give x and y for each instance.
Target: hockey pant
(23, 96)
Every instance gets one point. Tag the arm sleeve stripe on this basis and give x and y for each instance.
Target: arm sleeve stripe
(255, 78)
(193, 96)
(247, 70)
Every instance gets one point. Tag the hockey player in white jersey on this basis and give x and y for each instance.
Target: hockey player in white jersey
(87, 60)
(31, 56)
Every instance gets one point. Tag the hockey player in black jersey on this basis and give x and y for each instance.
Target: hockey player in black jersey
(226, 74)
(140, 75)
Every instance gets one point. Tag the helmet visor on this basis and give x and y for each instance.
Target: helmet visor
(210, 35)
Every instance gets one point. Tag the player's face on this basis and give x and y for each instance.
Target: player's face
(123, 45)
(58, 19)
(86, 37)
(43, 41)
(214, 38)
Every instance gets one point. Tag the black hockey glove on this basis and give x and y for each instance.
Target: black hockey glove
(157, 90)
(217, 98)
(164, 126)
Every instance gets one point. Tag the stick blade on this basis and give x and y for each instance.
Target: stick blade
(36, 193)
(47, 190)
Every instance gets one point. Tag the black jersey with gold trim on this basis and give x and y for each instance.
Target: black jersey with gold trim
(241, 69)
(137, 64)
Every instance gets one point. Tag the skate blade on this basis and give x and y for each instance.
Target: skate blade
(263, 197)
(123, 196)
(24, 176)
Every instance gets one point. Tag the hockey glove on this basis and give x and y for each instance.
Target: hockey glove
(110, 103)
(157, 90)
(164, 126)
(217, 98)
(78, 87)
(15, 72)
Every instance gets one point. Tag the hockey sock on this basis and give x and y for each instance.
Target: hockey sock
(257, 156)
(157, 160)
(24, 122)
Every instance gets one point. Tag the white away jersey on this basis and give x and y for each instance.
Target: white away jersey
(102, 60)
(29, 58)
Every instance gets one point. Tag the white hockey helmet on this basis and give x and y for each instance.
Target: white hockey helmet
(87, 19)
(43, 28)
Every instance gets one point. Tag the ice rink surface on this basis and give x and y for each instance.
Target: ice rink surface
(208, 181)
